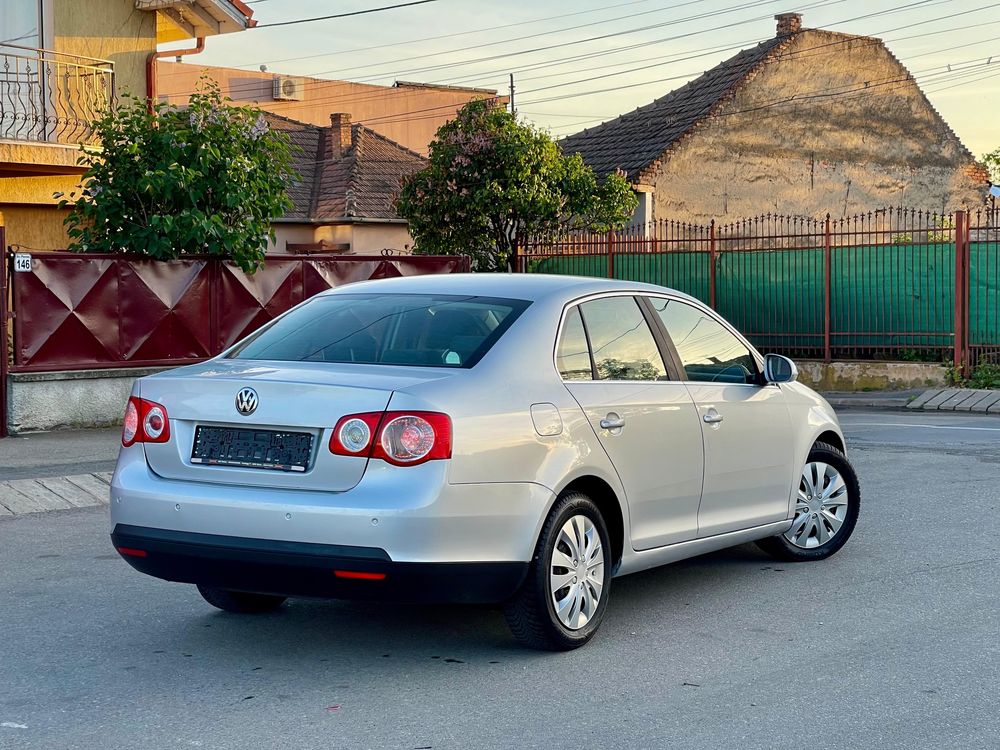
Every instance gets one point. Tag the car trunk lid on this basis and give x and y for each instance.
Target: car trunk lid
(307, 398)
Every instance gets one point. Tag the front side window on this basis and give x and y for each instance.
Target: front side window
(709, 351)
(389, 329)
(623, 347)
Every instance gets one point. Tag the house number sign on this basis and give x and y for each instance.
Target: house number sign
(22, 262)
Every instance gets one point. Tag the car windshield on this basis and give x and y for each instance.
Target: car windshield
(427, 330)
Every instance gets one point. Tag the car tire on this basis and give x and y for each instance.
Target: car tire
(534, 617)
(240, 602)
(804, 542)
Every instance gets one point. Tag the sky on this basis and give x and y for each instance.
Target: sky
(566, 79)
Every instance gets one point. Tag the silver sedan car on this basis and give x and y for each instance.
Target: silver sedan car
(516, 439)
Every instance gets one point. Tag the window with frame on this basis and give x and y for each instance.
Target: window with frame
(573, 352)
(709, 352)
(421, 330)
(621, 343)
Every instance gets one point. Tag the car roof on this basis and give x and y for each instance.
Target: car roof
(534, 287)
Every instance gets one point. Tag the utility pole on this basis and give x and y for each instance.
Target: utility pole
(512, 110)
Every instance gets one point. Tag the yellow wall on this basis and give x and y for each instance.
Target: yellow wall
(34, 227)
(110, 30)
(371, 239)
(364, 239)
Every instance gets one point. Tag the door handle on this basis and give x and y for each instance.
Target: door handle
(612, 422)
(712, 417)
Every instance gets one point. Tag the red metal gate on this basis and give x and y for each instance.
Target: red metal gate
(77, 311)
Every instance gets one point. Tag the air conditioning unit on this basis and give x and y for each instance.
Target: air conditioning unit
(289, 89)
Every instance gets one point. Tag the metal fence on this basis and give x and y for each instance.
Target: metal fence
(52, 97)
(895, 284)
(73, 311)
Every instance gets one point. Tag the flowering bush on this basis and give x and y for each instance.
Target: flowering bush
(206, 179)
(492, 182)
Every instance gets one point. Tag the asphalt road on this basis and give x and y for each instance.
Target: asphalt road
(59, 453)
(893, 643)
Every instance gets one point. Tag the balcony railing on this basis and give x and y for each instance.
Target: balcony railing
(52, 97)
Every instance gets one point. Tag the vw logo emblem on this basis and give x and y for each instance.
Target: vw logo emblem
(246, 401)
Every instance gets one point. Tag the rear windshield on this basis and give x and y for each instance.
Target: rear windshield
(428, 330)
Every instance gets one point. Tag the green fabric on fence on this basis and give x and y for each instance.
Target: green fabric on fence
(881, 295)
(984, 293)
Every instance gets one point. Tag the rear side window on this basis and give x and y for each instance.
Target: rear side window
(709, 351)
(573, 355)
(391, 329)
(622, 345)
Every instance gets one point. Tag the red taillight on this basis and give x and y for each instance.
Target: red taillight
(131, 552)
(402, 438)
(410, 438)
(130, 427)
(354, 434)
(145, 422)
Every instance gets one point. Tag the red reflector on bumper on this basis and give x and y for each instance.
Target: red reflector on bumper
(359, 575)
(132, 552)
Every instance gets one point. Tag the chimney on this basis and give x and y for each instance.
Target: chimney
(340, 133)
(788, 23)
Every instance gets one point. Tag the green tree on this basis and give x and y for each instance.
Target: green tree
(204, 179)
(992, 162)
(493, 181)
(615, 369)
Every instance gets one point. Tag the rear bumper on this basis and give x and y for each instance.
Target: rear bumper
(412, 513)
(307, 569)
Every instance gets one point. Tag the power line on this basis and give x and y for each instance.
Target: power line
(756, 3)
(700, 16)
(814, 5)
(663, 80)
(577, 58)
(445, 36)
(550, 63)
(600, 37)
(741, 46)
(342, 15)
(821, 3)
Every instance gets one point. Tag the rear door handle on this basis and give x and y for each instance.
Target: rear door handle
(612, 422)
(712, 417)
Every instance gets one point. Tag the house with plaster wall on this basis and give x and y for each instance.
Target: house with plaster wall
(806, 123)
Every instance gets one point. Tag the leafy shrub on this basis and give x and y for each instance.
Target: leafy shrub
(205, 179)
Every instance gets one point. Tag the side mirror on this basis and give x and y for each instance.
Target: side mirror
(778, 369)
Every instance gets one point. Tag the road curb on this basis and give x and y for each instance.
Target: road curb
(971, 400)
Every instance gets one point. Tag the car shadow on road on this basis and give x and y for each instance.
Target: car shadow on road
(357, 631)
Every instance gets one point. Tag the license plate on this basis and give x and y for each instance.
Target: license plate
(254, 449)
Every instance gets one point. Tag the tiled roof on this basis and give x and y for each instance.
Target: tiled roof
(635, 140)
(358, 182)
(305, 140)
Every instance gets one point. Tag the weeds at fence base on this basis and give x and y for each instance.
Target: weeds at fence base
(985, 375)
